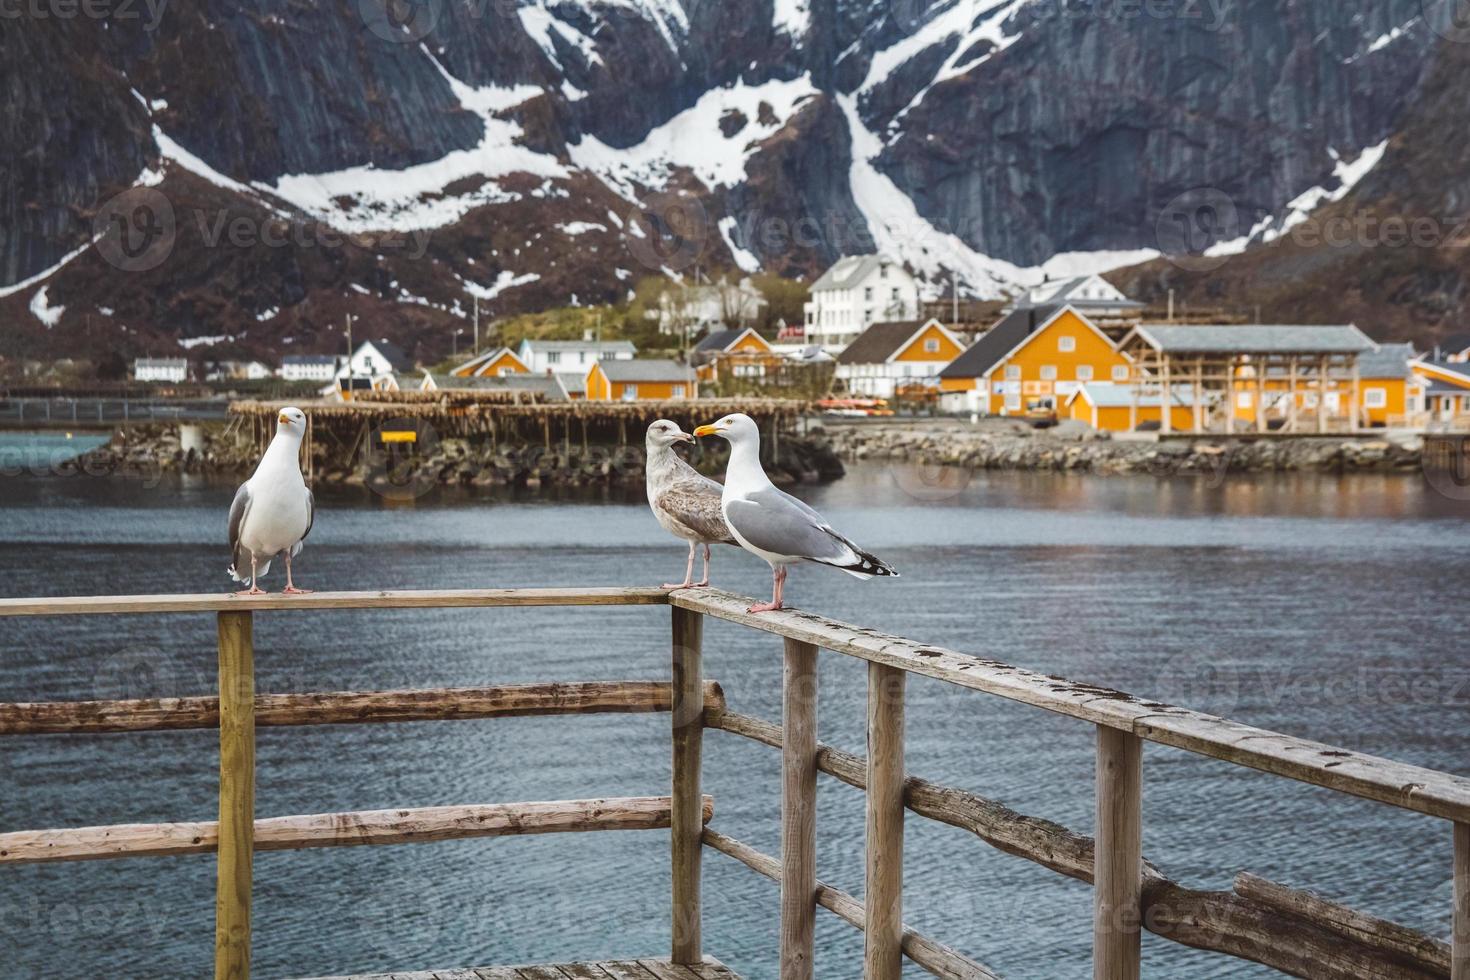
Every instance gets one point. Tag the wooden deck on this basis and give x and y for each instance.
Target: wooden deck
(710, 969)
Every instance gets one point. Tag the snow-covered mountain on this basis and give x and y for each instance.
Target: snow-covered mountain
(254, 170)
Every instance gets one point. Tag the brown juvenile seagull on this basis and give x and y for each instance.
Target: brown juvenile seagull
(684, 502)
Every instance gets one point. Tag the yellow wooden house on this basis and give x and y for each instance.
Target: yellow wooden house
(740, 353)
(887, 357)
(1035, 357)
(1123, 408)
(495, 363)
(641, 380)
(1446, 392)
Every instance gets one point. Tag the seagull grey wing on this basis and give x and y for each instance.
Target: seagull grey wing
(239, 508)
(697, 508)
(778, 523)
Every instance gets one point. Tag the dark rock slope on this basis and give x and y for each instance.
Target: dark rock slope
(530, 151)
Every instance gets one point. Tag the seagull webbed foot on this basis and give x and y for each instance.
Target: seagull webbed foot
(253, 590)
(293, 590)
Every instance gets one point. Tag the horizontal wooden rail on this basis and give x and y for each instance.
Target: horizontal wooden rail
(1414, 788)
(937, 958)
(1298, 943)
(408, 826)
(349, 707)
(1353, 924)
(422, 599)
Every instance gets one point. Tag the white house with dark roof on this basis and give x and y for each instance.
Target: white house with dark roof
(166, 369)
(375, 359)
(858, 291)
(1092, 295)
(888, 356)
(309, 367)
(572, 356)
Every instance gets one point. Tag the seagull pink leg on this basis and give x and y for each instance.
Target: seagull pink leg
(704, 581)
(778, 585)
(688, 571)
(291, 589)
(254, 589)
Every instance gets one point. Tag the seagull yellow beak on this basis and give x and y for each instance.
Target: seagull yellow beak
(706, 430)
(284, 420)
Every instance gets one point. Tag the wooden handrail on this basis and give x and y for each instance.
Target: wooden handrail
(349, 707)
(1295, 943)
(1427, 791)
(276, 602)
(936, 957)
(410, 825)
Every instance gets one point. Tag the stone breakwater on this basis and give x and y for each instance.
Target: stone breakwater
(1007, 445)
(153, 450)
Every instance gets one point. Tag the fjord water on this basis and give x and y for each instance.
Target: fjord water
(1324, 607)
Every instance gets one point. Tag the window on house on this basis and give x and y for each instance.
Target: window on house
(553, 357)
(883, 272)
(1048, 372)
(678, 391)
(894, 294)
(1084, 372)
(506, 371)
(868, 292)
(1120, 372)
(630, 393)
(1066, 344)
(931, 346)
(1375, 397)
(868, 316)
(1013, 372)
(1243, 399)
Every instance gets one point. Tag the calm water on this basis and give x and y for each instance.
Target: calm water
(1324, 607)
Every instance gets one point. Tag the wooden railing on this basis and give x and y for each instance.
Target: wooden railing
(1293, 931)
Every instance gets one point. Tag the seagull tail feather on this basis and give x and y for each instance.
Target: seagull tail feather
(863, 565)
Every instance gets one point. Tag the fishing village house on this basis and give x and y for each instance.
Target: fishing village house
(1446, 390)
(495, 363)
(641, 380)
(572, 356)
(161, 369)
(238, 371)
(1253, 377)
(1391, 394)
(888, 356)
(1118, 408)
(1093, 296)
(687, 310)
(375, 359)
(309, 367)
(737, 352)
(858, 291)
(1032, 357)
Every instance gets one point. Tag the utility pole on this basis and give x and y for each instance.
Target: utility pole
(349, 355)
(477, 324)
(954, 288)
(1171, 306)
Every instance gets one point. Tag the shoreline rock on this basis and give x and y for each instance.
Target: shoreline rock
(995, 444)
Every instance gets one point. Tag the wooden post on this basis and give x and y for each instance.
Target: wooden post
(236, 796)
(1166, 398)
(1321, 394)
(883, 898)
(1118, 856)
(687, 823)
(798, 811)
(1460, 938)
(1259, 365)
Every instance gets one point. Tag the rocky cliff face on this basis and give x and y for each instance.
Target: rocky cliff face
(281, 164)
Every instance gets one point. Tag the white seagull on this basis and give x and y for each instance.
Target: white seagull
(273, 511)
(685, 502)
(772, 524)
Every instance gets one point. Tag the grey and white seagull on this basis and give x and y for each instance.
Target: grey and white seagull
(772, 524)
(273, 510)
(686, 503)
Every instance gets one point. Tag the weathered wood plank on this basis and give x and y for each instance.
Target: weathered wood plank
(418, 599)
(688, 739)
(937, 958)
(883, 892)
(1350, 922)
(668, 971)
(1211, 920)
(349, 707)
(1426, 791)
(584, 971)
(708, 968)
(235, 829)
(1118, 856)
(540, 973)
(1460, 934)
(799, 811)
(627, 970)
(362, 827)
